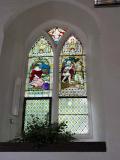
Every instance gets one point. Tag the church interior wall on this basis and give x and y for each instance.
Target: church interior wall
(100, 27)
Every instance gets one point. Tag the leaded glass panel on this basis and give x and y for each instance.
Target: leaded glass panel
(40, 70)
(74, 111)
(36, 108)
(77, 124)
(73, 106)
(56, 33)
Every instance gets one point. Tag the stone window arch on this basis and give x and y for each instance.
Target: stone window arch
(76, 112)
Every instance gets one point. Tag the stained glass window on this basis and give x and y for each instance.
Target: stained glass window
(36, 108)
(40, 70)
(72, 69)
(56, 33)
(73, 107)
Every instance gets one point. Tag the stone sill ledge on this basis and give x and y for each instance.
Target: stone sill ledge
(63, 147)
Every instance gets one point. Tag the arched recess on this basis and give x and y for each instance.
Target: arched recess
(13, 54)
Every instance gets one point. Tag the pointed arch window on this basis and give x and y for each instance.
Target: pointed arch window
(72, 107)
(38, 91)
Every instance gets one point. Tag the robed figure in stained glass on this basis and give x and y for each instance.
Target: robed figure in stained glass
(39, 76)
(71, 73)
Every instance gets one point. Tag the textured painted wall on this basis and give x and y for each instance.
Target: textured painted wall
(101, 27)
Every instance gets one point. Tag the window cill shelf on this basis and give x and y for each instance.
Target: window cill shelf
(63, 147)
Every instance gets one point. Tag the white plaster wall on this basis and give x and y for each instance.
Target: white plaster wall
(101, 27)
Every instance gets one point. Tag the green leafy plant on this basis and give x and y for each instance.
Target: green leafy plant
(39, 132)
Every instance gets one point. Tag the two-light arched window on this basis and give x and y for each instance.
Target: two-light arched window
(72, 91)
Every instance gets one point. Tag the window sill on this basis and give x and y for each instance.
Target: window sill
(64, 147)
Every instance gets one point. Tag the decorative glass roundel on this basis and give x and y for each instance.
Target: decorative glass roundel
(56, 33)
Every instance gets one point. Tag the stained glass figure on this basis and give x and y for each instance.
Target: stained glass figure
(75, 113)
(56, 33)
(36, 108)
(40, 70)
(72, 69)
